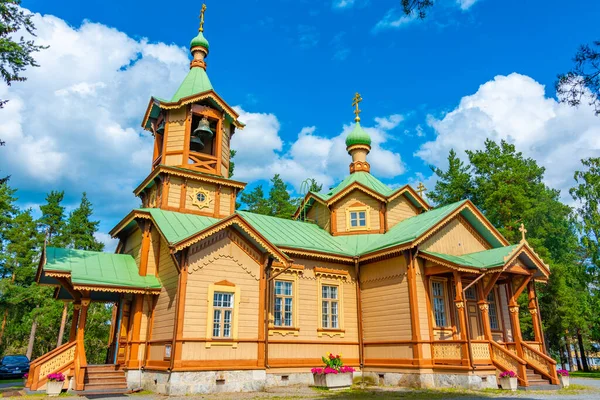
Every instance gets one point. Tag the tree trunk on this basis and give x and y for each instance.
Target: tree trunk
(3, 325)
(63, 322)
(584, 362)
(562, 358)
(577, 358)
(569, 353)
(31, 338)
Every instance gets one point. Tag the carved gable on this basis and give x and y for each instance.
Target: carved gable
(457, 237)
(353, 200)
(398, 210)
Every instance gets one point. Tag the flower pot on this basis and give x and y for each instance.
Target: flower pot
(334, 381)
(508, 383)
(53, 388)
(564, 381)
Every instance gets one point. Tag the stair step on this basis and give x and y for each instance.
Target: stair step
(105, 385)
(106, 381)
(102, 377)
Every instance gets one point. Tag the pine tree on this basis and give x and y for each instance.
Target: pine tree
(452, 185)
(280, 201)
(52, 221)
(256, 202)
(80, 229)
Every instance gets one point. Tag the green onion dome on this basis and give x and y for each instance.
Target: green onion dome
(199, 40)
(358, 136)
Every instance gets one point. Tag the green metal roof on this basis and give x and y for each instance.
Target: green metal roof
(199, 40)
(481, 259)
(176, 226)
(358, 136)
(91, 268)
(364, 178)
(195, 82)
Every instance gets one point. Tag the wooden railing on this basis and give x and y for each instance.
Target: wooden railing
(447, 352)
(202, 162)
(540, 362)
(480, 351)
(507, 361)
(58, 360)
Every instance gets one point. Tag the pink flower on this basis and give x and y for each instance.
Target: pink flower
(317, 371)
(58, 377)
(508, 374)
(329, 370)
(562, 372)
(344, 369)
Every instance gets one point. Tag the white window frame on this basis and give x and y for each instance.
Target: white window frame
(228, 288)
(445, 302)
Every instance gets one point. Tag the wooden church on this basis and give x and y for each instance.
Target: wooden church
(208, 298)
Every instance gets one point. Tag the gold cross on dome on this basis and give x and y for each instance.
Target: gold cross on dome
(523, 232)
(201, 16)
(357, 99)
(421, 189)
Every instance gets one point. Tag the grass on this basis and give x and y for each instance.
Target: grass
(20, 380)
(581, 374)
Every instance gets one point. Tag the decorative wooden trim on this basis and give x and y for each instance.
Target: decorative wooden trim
(354, 186)
(116, 289)
(316, 254)
(330, 272)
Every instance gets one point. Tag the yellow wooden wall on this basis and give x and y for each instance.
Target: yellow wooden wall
(225, 148)
(356, 196)
(133, 244)
(211, 188)
(320, 214)
(164, 311)
(306, 347)
(175, 136)
(385, 309)
(174, 192)
(221, 260)
(456, 238)
(398, 210)
(422, 299)
(225, 201)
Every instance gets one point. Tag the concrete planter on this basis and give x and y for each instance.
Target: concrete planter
(333, 381)
(508, 383)
(53, 388)
(564, 381)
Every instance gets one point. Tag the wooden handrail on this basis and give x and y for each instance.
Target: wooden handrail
(51, 353)
(550, 364)
(521, 367)
(544, 356)
(38, 377)
(509, 353)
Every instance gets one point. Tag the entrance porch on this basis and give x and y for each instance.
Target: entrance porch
(83, 277)
(474, 313)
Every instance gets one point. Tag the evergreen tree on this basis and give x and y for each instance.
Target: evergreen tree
(80, 229)
(52, 221)
(232, 154)
(256, 202)
(452, 185)
(280, 201)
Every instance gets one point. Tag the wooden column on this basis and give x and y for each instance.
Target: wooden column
(513, 307)
(459, 302)
(533, 309)
(145, 250)
(179, 311)
(73, 331)
(136, 326)
(411, 275)
(63, 322)
(484, 307)
(85, 303)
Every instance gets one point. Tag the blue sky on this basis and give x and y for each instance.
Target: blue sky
(473, 69)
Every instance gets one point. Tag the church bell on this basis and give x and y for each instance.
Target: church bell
(201, 133)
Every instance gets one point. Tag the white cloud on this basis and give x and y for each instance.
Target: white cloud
(343, 3)
(515, 108)
(395, 19)
(465, 4)
(75, 123)
(260, 151)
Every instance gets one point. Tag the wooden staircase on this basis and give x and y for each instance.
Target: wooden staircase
(538, 382)
(104, 379)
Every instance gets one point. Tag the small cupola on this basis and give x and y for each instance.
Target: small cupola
(199, 45)
(358, 142)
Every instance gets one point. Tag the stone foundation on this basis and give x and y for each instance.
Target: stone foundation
(202, 382)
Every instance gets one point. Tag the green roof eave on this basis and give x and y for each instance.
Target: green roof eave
(195, 82)
(98, 269)
(486, 259)
(176, 226)
(364, 178)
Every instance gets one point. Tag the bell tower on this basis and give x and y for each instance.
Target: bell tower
(192, 133)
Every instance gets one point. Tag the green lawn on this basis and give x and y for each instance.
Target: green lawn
(581, 374)
(20, 380)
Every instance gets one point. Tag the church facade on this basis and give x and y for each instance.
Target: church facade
(208, 298)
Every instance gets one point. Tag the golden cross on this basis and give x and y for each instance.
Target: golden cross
(357, 99)
(201, 16)
(523, 232)
(421, 189)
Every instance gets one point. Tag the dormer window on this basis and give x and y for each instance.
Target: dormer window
(357, 218)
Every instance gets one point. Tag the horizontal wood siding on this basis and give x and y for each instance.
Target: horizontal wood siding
(154, 252)
(456, 238)
(225, 202)
(164, 312)
(356, 196)
(398, 210)
(176, 130)
(133, 245)
(422, 307)
(320, 215)
(385, 306)
(174, 196)
(225, 149)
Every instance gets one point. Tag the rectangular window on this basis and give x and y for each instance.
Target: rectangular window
(439, 303)
(358, 219)
(283, 306)
(329, 307)
(222, 314)
(470, 294)
(493, 311)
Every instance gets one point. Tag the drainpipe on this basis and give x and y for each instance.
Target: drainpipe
(467, 320)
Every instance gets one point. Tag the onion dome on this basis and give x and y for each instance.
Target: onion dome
(199, 41)
(358, 136)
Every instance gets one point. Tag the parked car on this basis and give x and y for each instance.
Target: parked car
(14, 366)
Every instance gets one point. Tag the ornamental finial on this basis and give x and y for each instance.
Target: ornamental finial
(357, 99)
(201, 16)
(523, 232)
(421, 189)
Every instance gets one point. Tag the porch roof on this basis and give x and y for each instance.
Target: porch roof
(482, 259)
(94, 270)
